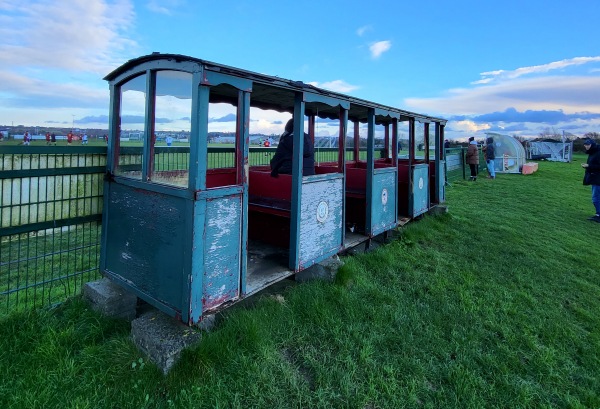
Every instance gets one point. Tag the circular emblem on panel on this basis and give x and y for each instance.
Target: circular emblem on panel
(384, 197)
(421, 183)
(322, 211)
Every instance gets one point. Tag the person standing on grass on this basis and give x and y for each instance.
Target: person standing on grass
(473, 158)
(490, 155)
(592, 174)
(53, 138)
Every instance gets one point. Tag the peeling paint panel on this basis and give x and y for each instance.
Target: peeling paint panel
(144, 241)
(383, 202)
(320, 219)
(441, 181)
(420, 189)
(222, 239)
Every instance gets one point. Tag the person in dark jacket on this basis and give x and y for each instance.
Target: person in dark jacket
(592, 174)
(490, 156)
(282, 160)
(473, 158)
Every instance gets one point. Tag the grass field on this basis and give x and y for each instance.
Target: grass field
(495, 304)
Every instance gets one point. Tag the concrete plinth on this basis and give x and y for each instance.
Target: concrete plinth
(162, 338)
(325, 270)
(109, 299)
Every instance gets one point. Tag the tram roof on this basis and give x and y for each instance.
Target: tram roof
(263, 95)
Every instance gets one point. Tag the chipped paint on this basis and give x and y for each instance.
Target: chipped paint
(383, 202)
(320, 230)
(222, 239)
(153, 266)
(420, 190)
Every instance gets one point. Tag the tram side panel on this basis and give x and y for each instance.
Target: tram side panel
(441, 182)
(419, 202)
(413, 189)
(144, 242)
(437, 182)
(221, 225)
(321, 216)
(383, 201)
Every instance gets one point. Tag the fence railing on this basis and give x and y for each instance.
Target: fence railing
(51, 209)
(456, 167)
(50, 213)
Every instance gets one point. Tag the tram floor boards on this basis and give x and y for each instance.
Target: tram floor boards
(267, 264)
(353, 239)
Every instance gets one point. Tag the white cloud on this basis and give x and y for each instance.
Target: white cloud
(569, 99)
(469, 126)
(68, 34)
(55, 53)
(534, 69)
(163, 6)
(379, 48)
(336, 86)
(570, 94)
(362, 30)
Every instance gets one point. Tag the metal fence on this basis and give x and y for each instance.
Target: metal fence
(51, 211)
(456, 166)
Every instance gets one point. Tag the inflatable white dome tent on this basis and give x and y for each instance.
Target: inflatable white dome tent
(510, 154)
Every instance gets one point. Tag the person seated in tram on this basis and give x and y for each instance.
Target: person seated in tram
(282, 160)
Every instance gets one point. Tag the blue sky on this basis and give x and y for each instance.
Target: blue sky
(517, 67)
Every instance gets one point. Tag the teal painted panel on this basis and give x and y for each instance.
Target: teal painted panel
(383, 202)
(222, 250)
(145, 243)
(420, 189)
(441, 180)
(321, 226)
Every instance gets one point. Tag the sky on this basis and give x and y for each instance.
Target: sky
(518, 67)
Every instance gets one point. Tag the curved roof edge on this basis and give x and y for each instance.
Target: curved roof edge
(297, 85)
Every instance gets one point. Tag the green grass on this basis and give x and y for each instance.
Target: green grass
(44, 269)
(495, 304)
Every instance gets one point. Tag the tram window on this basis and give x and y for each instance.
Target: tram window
(419, 141)
(266, 127)
(363, 132)
(379, 142)
(170, 164)
(130, 133)
(222, 139)
(327, 140)
(403, 140)
(432, 141)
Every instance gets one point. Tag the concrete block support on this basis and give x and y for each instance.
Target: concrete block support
(325, 270)
(162, 338)
(109, 299)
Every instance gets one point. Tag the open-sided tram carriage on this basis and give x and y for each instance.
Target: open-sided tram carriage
(190, 235)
